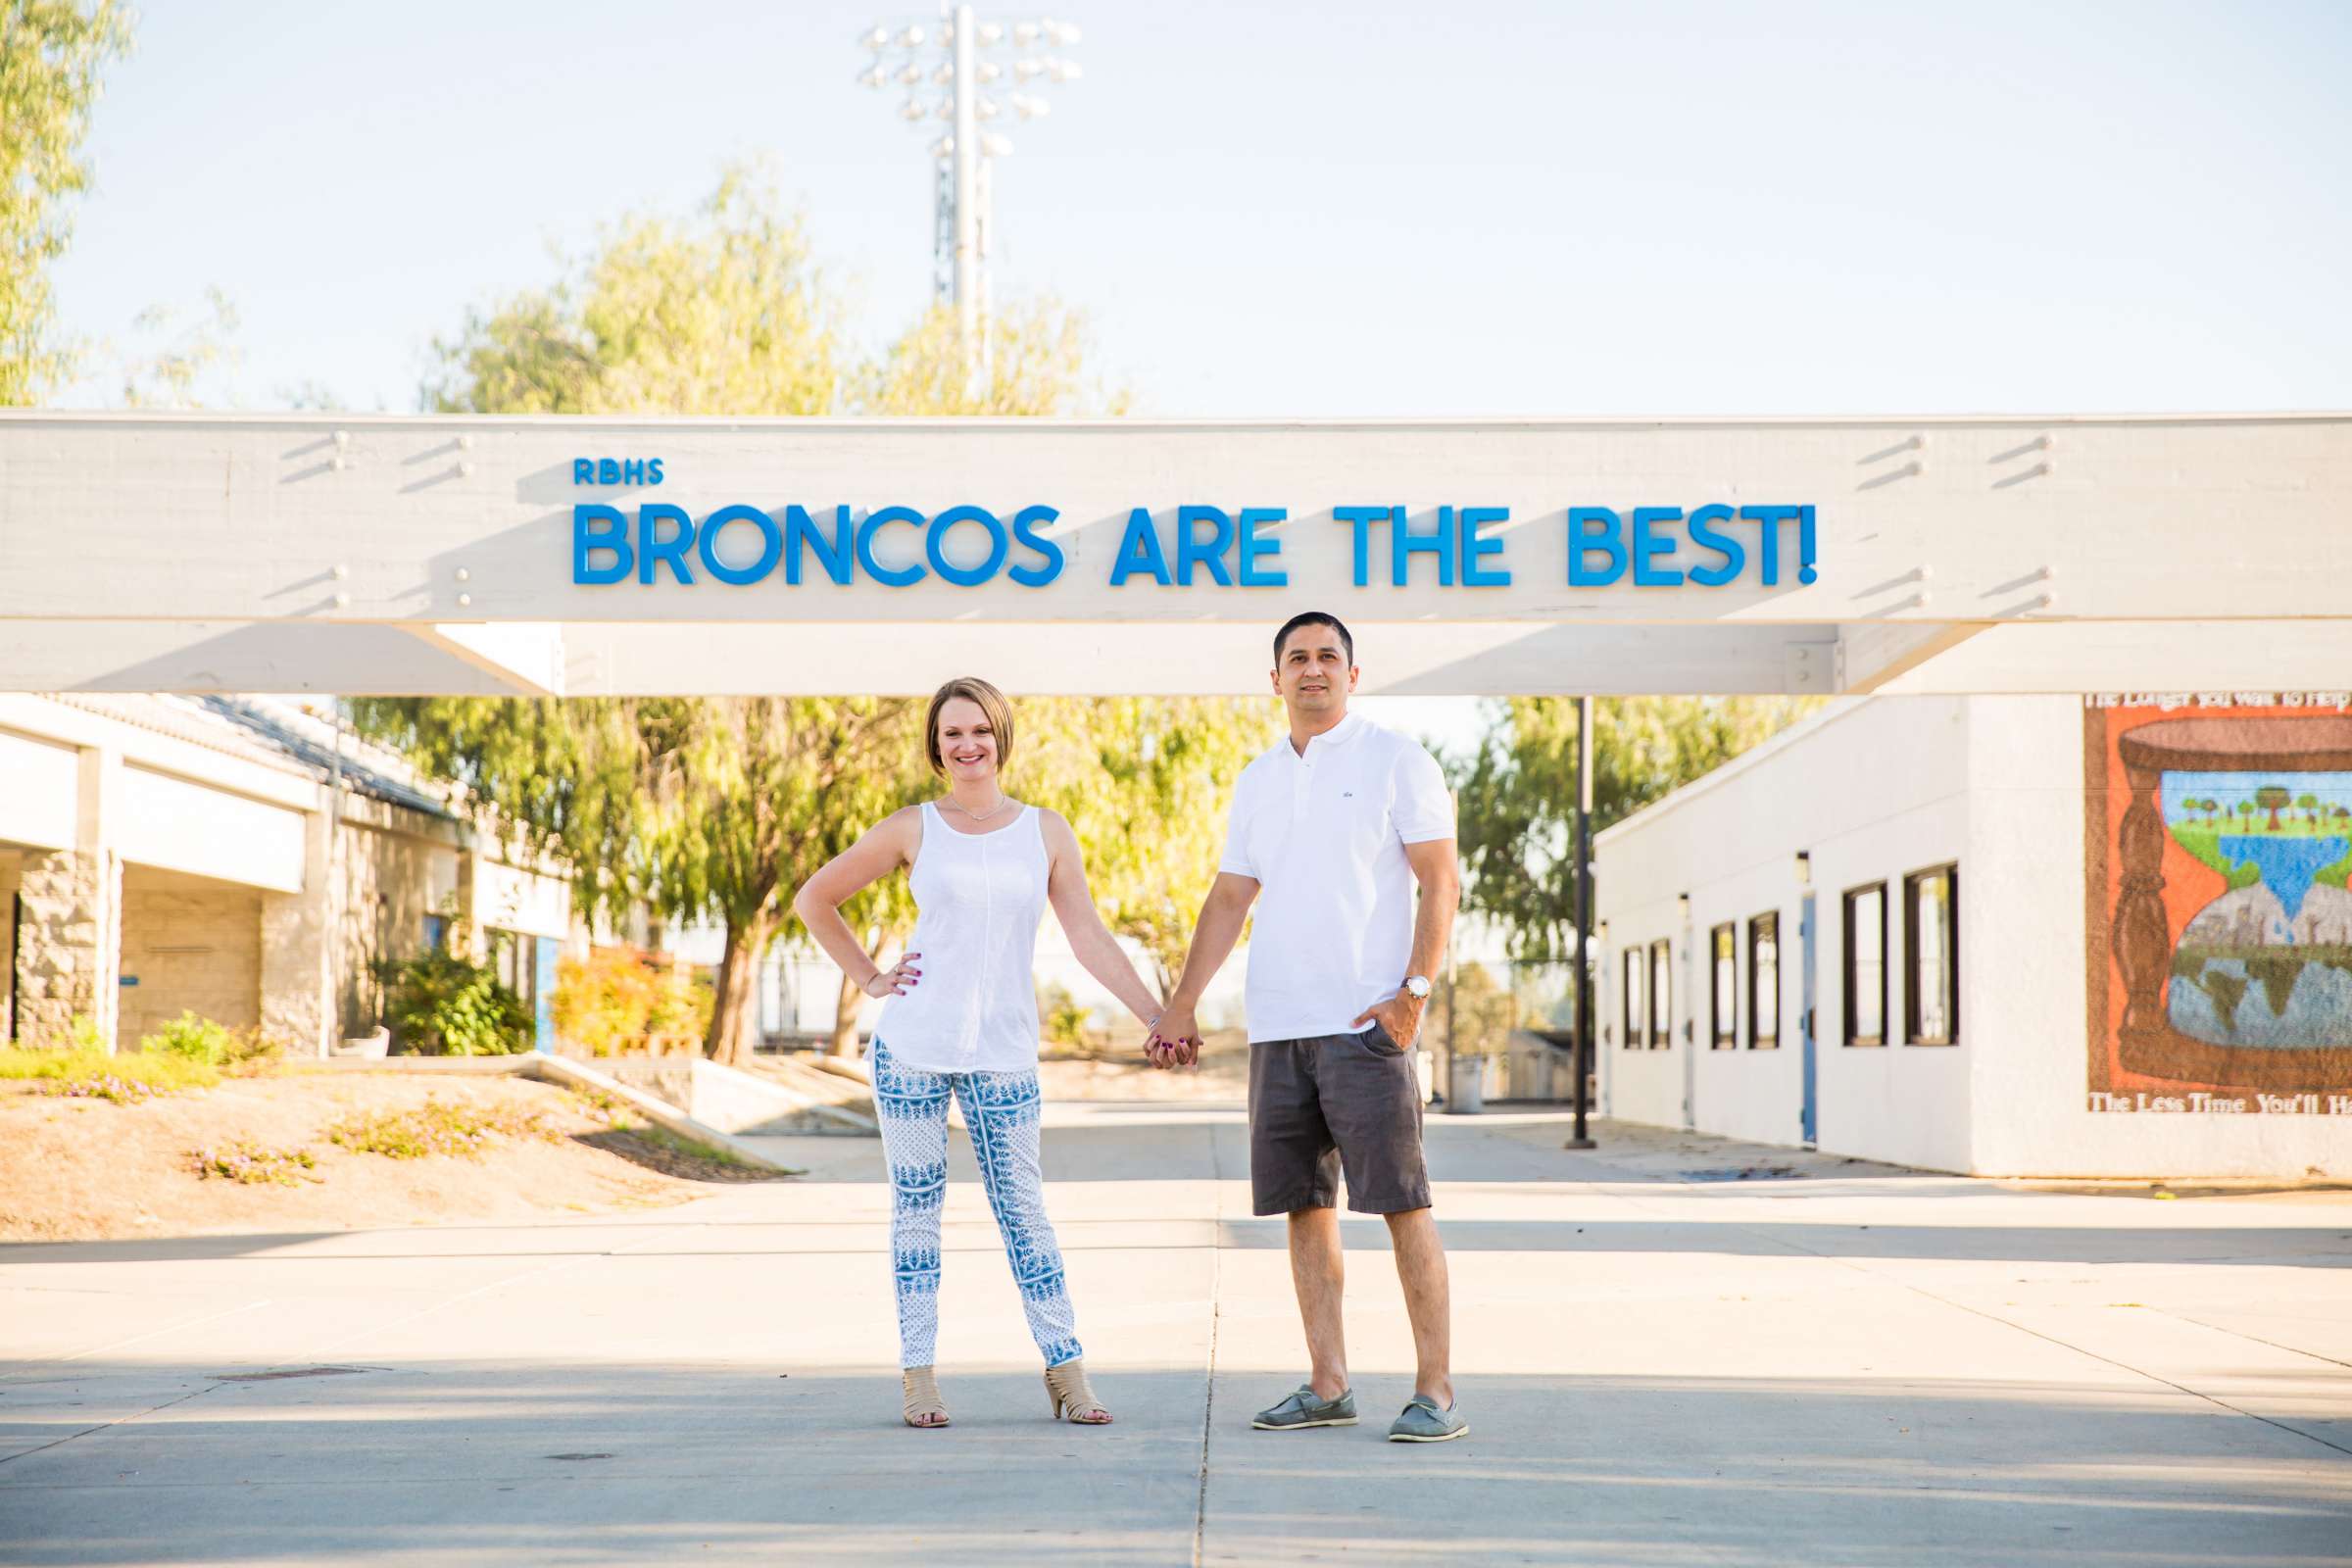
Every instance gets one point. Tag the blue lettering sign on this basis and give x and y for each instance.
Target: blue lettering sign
(1025, 525)
(1255, 575)
(1138, 550)
(771, 545)
(1590, 529)
(1473, 546)
(874, 523)
(936, 551)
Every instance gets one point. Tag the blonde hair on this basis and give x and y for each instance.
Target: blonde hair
(993, 708)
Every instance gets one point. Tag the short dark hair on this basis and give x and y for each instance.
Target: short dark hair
(1314, 617)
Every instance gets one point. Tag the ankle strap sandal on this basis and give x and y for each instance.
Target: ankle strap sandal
(1073, 1398)
(921, 1385)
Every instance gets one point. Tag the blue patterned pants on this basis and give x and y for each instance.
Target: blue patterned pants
(1001, 1111)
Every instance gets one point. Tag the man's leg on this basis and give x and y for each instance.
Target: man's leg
(1421, 1270)
(1319, 1271)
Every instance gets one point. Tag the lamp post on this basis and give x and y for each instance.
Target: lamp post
(1585, 968)
(960, 54)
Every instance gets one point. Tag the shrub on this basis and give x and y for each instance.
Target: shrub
(444, 1006)
(1061, 1019)
(95, 1074)
(253, 1164)
(435, 1128)
(191, 1039)
(603, 1107)
(615, 997)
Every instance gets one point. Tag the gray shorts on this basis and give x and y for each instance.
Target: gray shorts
(1334, 1100)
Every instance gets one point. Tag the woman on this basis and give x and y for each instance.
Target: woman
(960, 1018)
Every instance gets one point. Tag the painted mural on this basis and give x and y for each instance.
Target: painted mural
(2218, 840)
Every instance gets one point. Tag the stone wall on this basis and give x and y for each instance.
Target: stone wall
(395, 873)
(66, 945)
(8, 946)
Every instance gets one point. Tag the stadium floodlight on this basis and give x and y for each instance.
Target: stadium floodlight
(945, 53)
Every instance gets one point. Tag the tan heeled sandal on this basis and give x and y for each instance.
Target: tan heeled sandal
(1073, 1398)
(922, 1389)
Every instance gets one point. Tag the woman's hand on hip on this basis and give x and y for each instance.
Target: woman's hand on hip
(897, 980)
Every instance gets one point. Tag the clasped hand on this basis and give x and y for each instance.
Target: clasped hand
(1175, 1040)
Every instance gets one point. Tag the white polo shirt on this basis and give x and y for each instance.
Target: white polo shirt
(1324, 836)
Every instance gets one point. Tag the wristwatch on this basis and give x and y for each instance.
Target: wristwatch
(1417, 987)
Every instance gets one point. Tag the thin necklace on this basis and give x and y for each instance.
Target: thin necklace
(1003, 800)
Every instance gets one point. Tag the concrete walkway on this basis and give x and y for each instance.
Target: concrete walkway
(1834, 1364)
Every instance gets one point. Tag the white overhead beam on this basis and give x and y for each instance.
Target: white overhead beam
(526, 659)
(2229, 656)
(206, 656)
(435, 519)
(1874, 652)
(1212, 660)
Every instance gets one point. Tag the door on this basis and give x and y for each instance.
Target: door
(543, 992)
(1807, 947)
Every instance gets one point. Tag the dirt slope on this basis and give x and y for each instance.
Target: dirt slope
(84, 1168)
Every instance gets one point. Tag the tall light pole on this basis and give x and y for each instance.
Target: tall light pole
(961, 54)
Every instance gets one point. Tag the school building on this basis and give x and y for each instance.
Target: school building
(243, 859)
(2014, 935)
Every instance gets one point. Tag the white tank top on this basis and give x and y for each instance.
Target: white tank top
(979, 898)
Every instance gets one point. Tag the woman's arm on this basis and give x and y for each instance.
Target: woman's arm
(1089, 939)
(886, 846)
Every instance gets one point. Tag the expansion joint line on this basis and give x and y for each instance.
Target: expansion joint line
(1216, 1314)
(120, 1420)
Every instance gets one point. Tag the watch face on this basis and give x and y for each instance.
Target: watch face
(1418, 986)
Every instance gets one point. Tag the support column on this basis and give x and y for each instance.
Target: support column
(70, 945)
(299, 945)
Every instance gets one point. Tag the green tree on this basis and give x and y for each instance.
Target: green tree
(1144, 782)
(707, 807)
(2308, 806)
(52, 53)
(2274, 799)
(1517, 791)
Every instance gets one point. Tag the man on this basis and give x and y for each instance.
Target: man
(1334, 825)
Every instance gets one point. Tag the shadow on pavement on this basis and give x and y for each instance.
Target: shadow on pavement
(631, 1462)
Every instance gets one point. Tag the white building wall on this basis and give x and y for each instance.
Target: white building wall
(180, 824)
(1872, 790)
(2025, 1007)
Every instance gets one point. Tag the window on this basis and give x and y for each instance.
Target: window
(1635, 1026)
(436, 932)
(1661, 995)
(1932, 956)
(1866, 965)
(1764, 982)
(1722, 944)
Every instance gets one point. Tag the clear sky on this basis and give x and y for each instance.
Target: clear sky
(1655, 208)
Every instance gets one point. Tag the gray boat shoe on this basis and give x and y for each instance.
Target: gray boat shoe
(1423, 1422)
(1307, 1408)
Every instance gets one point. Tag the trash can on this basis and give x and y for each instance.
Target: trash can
(1465, 1084)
